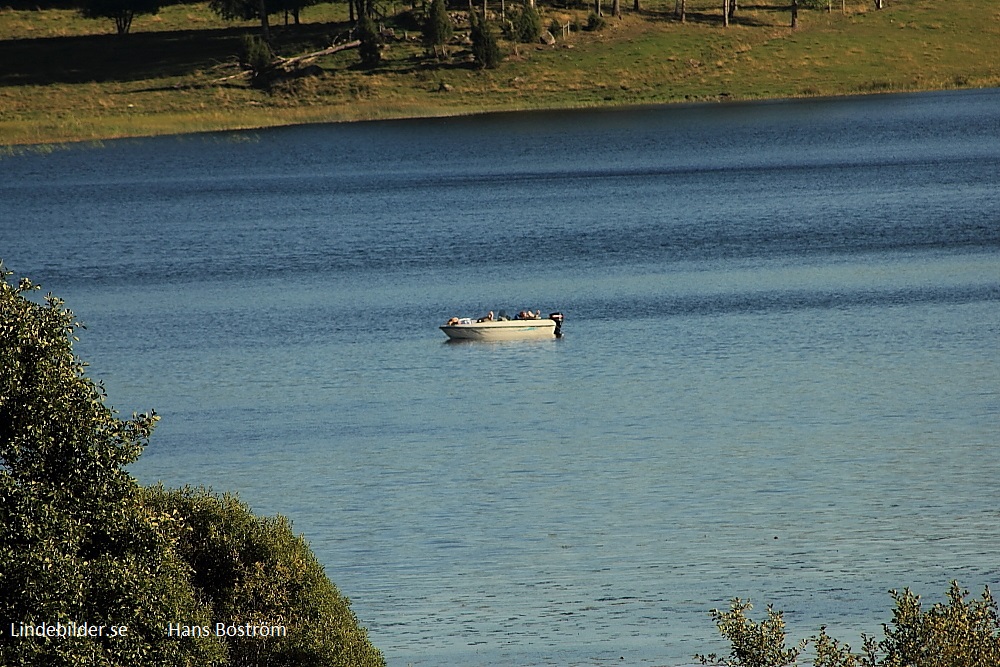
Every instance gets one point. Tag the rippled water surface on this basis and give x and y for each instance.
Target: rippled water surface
(779, 377)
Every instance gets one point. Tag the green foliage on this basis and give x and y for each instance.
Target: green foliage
(753, 644)
(121, 11)
(527, 25)
(249, 10)
(370, 50)
(595, 22)
(238, 10)
(831, 653)
(256, 570)
(75, 544)
(959, 633)
(255, 54)
(438, 28)
(485, 48)
(82, 542)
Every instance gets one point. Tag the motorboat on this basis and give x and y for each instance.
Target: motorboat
(487, 329)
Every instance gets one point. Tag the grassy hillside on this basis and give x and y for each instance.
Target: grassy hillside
(64, 78)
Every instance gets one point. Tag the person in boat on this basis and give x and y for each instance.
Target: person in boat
(488, 318)
(452, 322)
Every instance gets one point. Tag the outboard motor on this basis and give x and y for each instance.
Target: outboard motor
(558, 319)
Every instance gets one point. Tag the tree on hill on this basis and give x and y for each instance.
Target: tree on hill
(438, 28)
(247, 10)
(485, 49)
(82, 542)
(370, 49)
(257, 58)
(527, 25)
(121, 11)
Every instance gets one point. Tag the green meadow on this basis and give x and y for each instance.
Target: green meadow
(65, 78)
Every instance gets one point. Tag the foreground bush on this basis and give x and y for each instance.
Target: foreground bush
(959, 633)
(256, 570)
(76, 546)
(82, 543)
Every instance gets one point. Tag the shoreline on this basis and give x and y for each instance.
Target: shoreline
(44, 146)
(75, 82)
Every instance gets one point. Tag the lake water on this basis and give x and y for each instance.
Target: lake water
(780, 376)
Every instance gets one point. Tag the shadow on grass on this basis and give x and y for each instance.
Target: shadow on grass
(762, 16)
(140, 56)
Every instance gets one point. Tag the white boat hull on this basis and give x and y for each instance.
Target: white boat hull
(502, 330)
